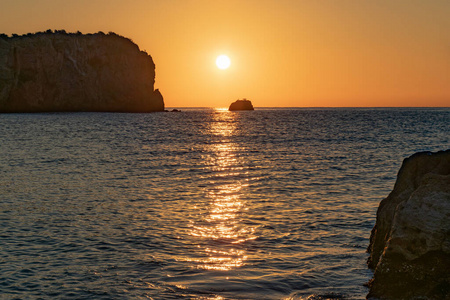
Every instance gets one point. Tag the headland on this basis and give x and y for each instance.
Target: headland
(55, 71)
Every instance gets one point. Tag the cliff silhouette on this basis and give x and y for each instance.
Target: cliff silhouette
(55, 71)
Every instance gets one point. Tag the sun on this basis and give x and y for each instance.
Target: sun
(223, 62)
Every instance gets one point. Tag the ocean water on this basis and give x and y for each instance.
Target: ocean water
(200, 204)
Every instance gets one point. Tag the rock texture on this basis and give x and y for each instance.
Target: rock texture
(241, 105)
(410, 243)
(56, 71)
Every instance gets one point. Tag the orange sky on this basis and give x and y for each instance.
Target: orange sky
(283, 53)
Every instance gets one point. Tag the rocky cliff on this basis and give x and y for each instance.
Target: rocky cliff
(410, 243)
(56, 71)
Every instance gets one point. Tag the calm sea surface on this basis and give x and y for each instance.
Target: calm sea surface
(201, 204)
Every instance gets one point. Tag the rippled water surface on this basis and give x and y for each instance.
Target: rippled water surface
(201, 204)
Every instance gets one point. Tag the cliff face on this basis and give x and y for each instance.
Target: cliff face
(410, 243)
(75, 72)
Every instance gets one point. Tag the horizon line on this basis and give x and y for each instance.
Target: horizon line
(314, 107)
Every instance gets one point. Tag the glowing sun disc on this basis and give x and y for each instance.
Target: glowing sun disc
(223, 62)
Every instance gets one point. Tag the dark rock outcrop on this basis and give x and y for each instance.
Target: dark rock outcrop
(410, 243)
(241, 105)
(56, 71)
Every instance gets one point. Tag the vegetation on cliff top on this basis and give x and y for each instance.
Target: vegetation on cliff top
(65, 33)
(62, 32)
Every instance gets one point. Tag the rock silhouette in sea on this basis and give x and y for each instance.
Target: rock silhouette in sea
(57, 71)
(241, 105)
(410, 243)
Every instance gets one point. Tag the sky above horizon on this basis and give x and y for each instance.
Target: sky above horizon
(283, 53)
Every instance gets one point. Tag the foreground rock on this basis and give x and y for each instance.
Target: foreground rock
(56, 71)
(241, 105)
(410, 243)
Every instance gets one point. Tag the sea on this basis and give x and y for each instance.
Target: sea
(276, 203)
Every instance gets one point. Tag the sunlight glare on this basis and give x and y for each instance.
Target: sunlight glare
(223, 62)
(221, 233)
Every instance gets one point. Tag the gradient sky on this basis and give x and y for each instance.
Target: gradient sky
(294, 53)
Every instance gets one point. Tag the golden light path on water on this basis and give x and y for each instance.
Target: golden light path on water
(221, 230)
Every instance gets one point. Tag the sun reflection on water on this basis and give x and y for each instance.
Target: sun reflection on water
(221, 233)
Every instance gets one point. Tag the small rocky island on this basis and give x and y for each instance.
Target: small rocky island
(410, 243)
(55, 71)
(243, 104)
